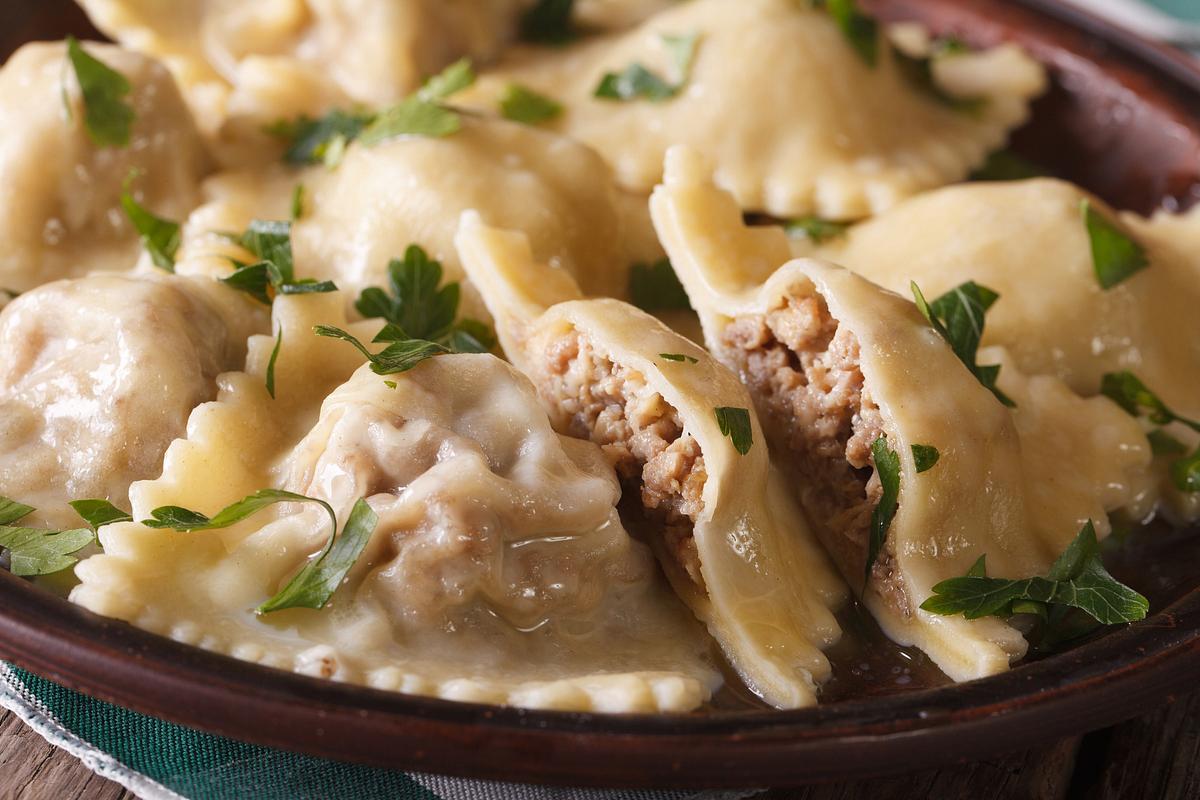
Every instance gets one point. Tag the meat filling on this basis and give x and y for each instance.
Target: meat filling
(640, 433)
(803, 370)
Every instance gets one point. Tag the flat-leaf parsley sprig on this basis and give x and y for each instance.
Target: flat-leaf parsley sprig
(1127, 390)
(316, 582)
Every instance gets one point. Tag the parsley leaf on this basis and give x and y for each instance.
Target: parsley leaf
(11, 511)
(679, 357)
(918, 71)
(1076, 580)
(160, 237)
(1127, 390)
(298, 202)
(735, 423)
(860, 30)
(958, 316)
(638, 82)
(36, 551)
(1116, 256)
(887, 467)
(548, 22)
(316, 583)
(400, 355)
(814, 228)
(423, 114)
(925, 457)
(108, 119)
(275, 272)
(656, 287)
(418, 310)
(320, 141)
(1005, 165)
(271, 364)
(98, 513)
(522, 104)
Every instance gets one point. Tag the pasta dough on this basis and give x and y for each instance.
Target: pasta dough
(408, 191)
(618, 14)
(499, 571)
(795, 121)
(99, 376)
(60, 212)
(1027, 241)
(735, 549)
(254, 63)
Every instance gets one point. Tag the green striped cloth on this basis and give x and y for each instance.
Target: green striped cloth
(159, 760)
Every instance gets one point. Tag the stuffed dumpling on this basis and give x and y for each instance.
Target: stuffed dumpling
(680, 431)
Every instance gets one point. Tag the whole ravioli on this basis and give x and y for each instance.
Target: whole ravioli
(834, 364)
(499, 571)
(243, 65)
(796, 122)
(99, 376)
(733, 546)
(60, 211)
(1027, 241)
(412, 190)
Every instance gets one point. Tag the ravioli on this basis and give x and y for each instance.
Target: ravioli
(498, 572)
(246, 64)
(382, 199)
(1026, 240)
(835, 364)
(60, 211)
(795, 121)
(99, 376)
(733, 546)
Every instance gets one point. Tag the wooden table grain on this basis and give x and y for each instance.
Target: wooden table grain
(1156, 757)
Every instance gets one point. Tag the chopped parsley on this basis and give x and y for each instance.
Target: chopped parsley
(275, 271)
(298, 202)
(860, 29)
(160, 237)
(656, 287)
(637, 82)
(522, 104)
(324, 140)
(316, 582)
(98, 513)
(958, 316)
(1127, 390)
(548, 22)
(925, 457)
(107, 117)
(400, 355)
(37, 551)
(1077, 580)
(814, 229)
(271, 364)
(419, 309)
(735, 423)
(918, 71)
(1005, 165)
(680, 357)
(887, 467)
(1116, 256)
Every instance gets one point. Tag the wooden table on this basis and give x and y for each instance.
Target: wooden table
(1156, 757)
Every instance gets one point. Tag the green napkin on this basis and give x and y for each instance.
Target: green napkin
(158, 760)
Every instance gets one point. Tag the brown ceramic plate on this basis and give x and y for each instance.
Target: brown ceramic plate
(1124, 121)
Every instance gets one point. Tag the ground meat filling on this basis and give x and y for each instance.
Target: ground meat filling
(640, 433)
(803, 370)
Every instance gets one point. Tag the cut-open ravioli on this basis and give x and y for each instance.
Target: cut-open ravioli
(498, 572)
(679, 429)
(796, 121)
(837, 364)
(1027, 241)
(99, 376)
(254, 63)
(412, 190)
(60, 211)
